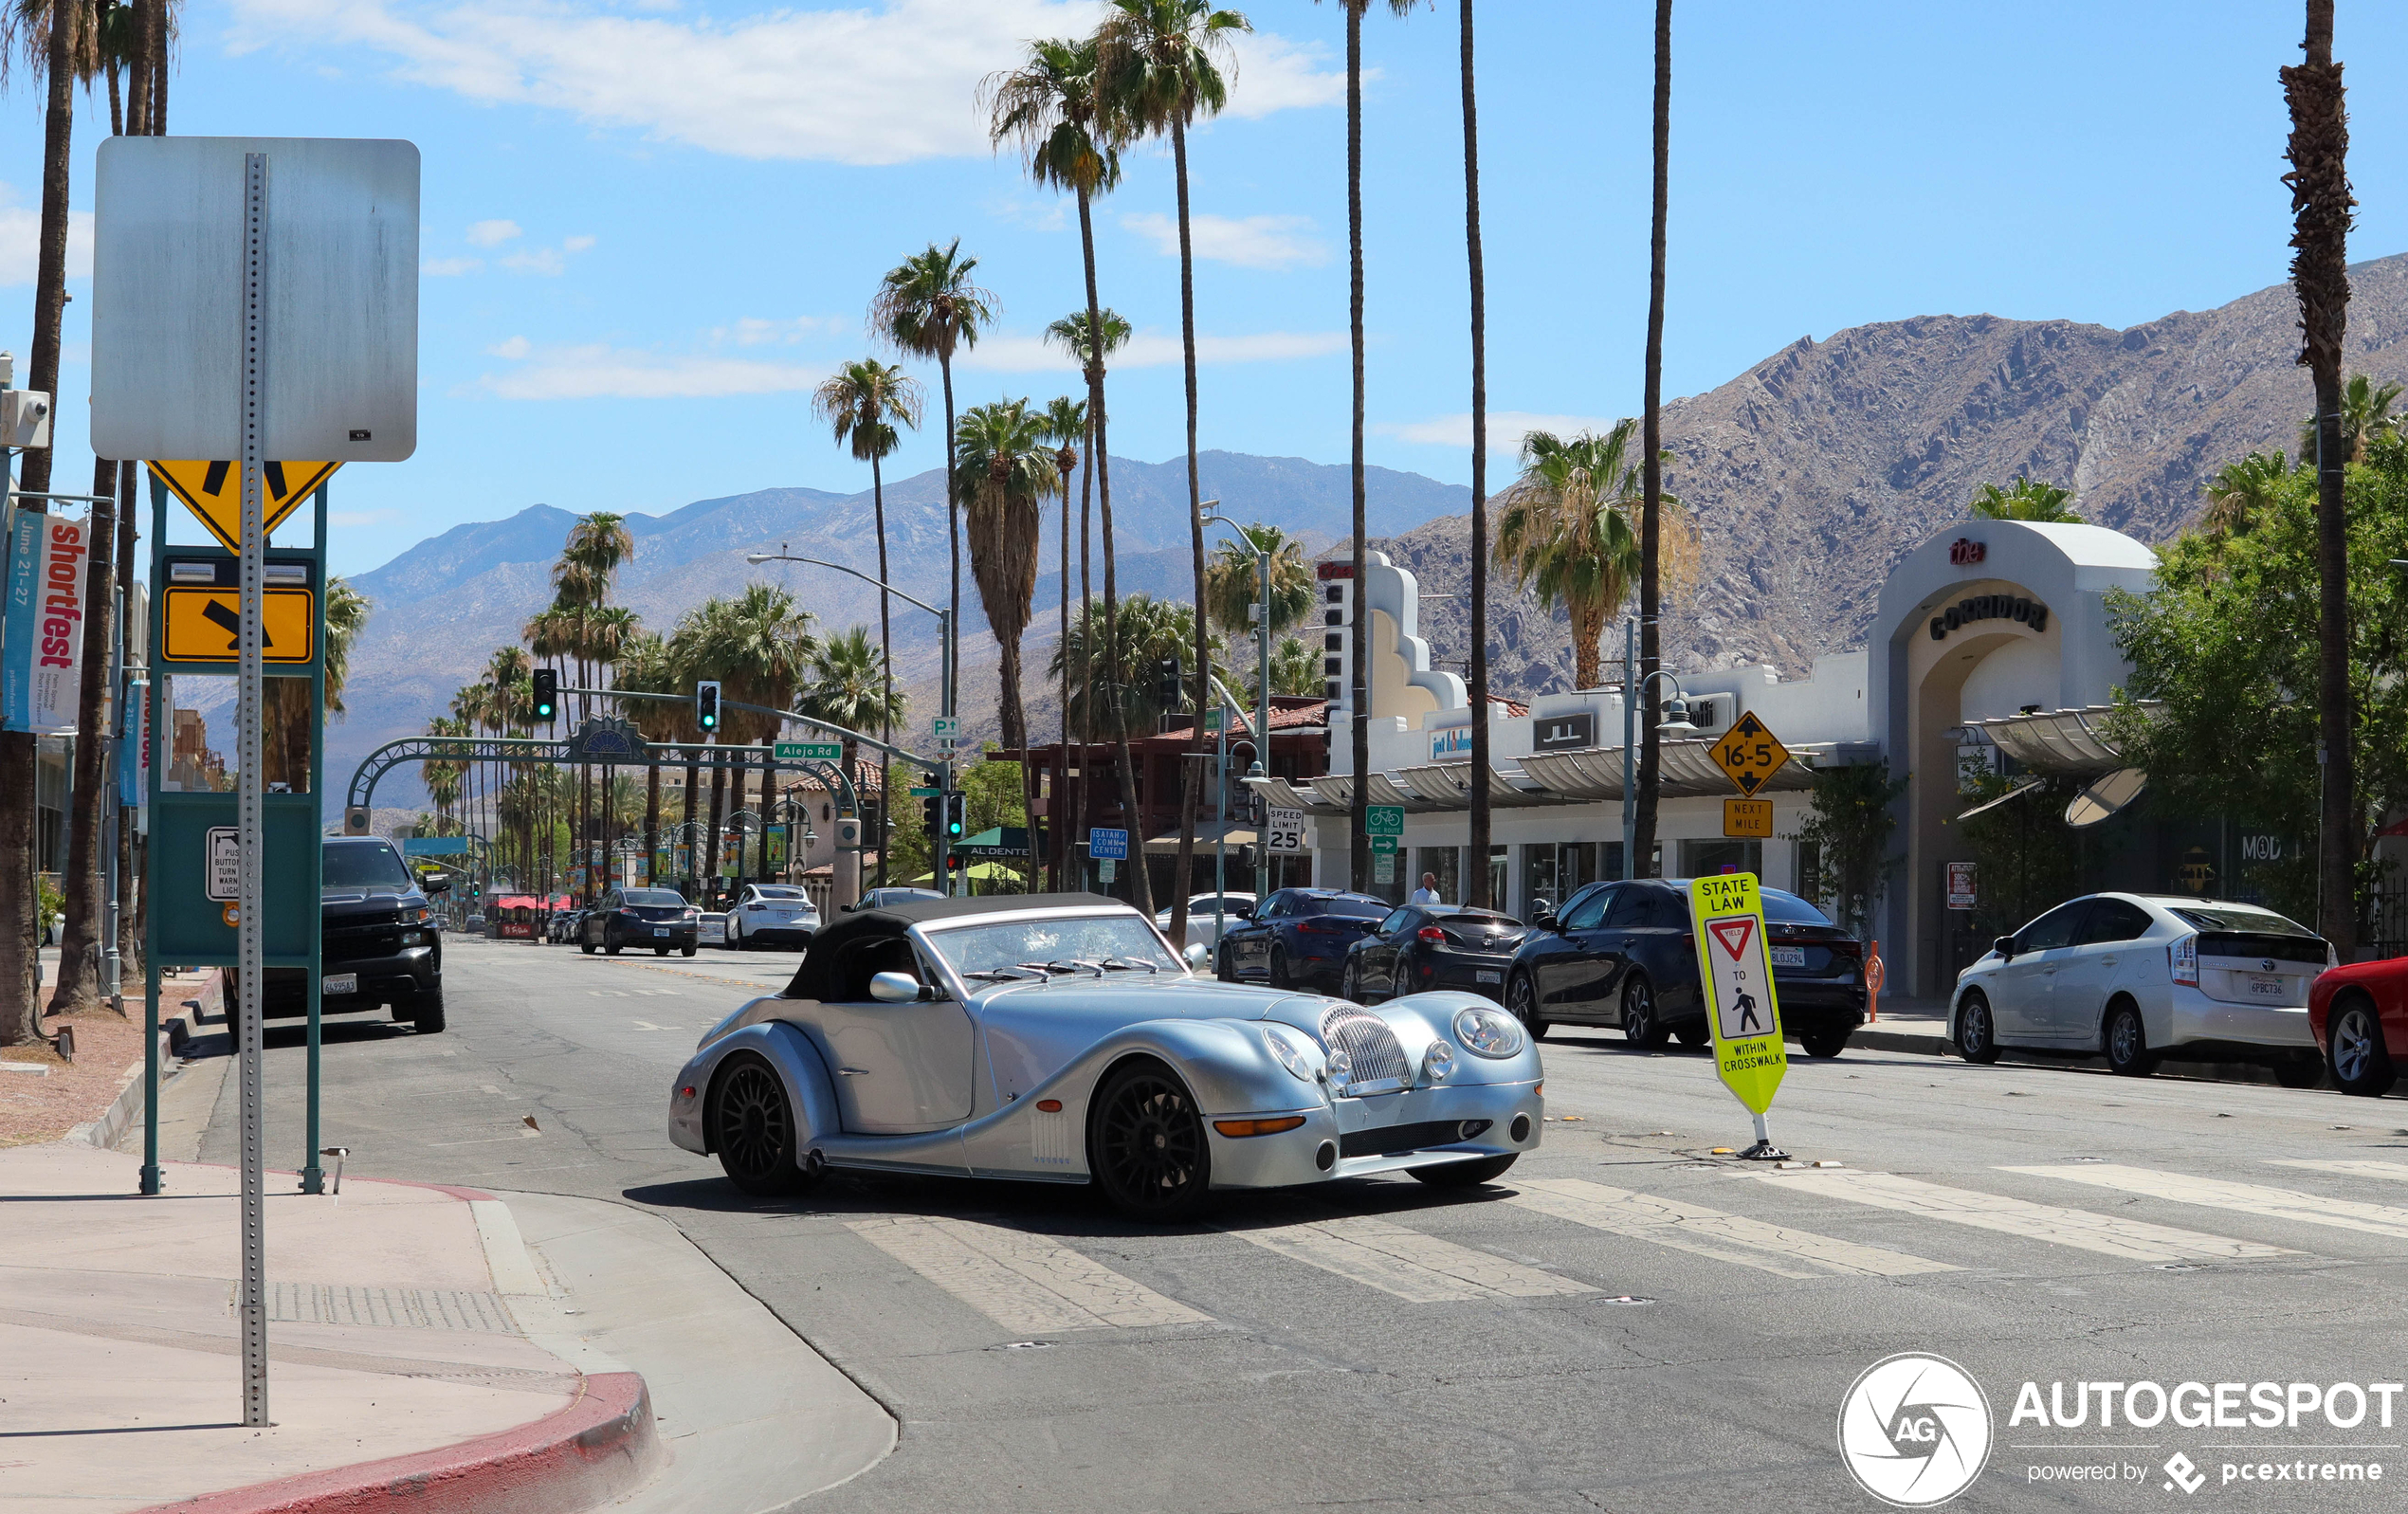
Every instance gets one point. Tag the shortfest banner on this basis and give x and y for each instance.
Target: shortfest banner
(42, 645)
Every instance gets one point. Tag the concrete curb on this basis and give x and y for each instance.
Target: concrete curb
(125, 1111)
(595, 1451)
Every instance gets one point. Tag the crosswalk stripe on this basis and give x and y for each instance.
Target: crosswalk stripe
(2395, 1171)
(1418, 1269)
(2132, 1240)
(1027, 1284)
(2247, 1198)
(1711, 1233)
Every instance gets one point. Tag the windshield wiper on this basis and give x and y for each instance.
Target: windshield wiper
(1002, 975)
(1132, 963)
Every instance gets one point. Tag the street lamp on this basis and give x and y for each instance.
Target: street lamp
(1261, 768)
(951, 652)
(1676, 714)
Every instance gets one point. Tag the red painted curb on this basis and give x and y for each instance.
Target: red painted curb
(583, 1456)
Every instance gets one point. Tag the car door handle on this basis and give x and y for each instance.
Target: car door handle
(853, 1072)
(2106, 962)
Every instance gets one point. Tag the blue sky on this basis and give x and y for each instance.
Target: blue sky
(651, 225)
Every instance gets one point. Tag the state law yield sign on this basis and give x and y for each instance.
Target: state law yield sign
(1737, 972)
(213, 492)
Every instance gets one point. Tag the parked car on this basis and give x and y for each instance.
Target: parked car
(1057, 1037)
(880, 897)
(567, 925)
(474, 926)
(2145, 978)
(378, 943)
(710, 928)
(1624, 954)
(1300, 937)
(769, 915)
(1432, 946)
(658, 917)
(2360, 1015)
(1201, 930)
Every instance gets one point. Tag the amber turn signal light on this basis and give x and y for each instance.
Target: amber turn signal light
(1051, 1107)
(1257, 1127)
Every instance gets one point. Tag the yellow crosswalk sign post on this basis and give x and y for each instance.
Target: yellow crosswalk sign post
(1742, 1011)
(213, 492)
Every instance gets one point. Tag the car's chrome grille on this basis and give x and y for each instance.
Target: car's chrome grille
(1366, 1039)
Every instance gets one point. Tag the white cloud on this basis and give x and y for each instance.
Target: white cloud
(875, 82)
(1505, 428)
(448, 267)
(597, 371)
(577, 244)
(751, 331)
(549, 261)
(1154, 349)
(21, 241)
(492, 233)
(1250, 242)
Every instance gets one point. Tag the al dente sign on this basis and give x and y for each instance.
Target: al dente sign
(41, 673)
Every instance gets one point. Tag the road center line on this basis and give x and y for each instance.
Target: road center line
(1711, 1233)
(2132, 1240)
(1027, 1283)
(1416, 1268)
(2247, 1198)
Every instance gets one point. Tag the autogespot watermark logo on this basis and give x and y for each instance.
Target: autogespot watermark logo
(1914, 1429)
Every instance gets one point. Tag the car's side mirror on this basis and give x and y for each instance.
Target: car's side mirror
(1545, 921)
(1198, 956)
(895, 988)
(437, 885)
(2004, 947)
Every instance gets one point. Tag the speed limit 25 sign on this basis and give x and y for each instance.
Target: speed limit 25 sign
(1284, 830)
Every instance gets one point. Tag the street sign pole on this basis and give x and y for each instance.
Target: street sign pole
(250, 800)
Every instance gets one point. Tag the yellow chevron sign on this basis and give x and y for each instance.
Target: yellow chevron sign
(213, 492)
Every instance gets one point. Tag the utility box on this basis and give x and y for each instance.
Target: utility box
(25, 418)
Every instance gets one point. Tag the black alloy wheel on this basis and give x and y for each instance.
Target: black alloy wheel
(1640, 1026)
(1977, 1033)
(612, 946)
(2361, 1062)
(1279, 973)
(2127, 1042)
(1466, 1174)
(1350, 982)
(1521, 1002)
(1146, 1145)
(1225, 964)
(753, 1128)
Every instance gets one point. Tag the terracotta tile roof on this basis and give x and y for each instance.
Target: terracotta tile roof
(1284, 718)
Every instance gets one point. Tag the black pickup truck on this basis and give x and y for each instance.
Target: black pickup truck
(381, 945)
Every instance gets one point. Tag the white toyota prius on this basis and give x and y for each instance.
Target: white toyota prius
(2141, 978)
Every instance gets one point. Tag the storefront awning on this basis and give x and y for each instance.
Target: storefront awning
(1448, 786)
(1241, 834)
(2057, 741)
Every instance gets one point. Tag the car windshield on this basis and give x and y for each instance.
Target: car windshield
(375, 866)
(2239, 916)
(653, 897)
(1029, 948)
(1791, 910)
(1359, 909)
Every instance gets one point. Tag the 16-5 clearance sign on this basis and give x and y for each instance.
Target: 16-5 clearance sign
(1737, 973)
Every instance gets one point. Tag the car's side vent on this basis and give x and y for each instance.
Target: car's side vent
(1052, 1137)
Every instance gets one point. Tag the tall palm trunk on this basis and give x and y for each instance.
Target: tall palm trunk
(1652, 465)
(652, 824)
(719, 811)
(1359, 634)
(953, 529)
(1054, 855)
(82, 944)
(1192, 772)
(1477, 892)
(1079, 790)
(1140, 884)
(2321, 202)
(887, 662)
(693, 842)
(137, 72)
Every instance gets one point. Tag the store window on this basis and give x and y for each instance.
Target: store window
(1539, 892)
(1715, 854)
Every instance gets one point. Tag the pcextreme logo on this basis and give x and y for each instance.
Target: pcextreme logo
(1914, 1429)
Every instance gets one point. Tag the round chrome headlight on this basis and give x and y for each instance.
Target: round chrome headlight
(1341, 1066)
(1291, 1056)
(1488, 1033)
(1437, 1063)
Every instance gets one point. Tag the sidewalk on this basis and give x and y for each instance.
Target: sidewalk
(42, 1098)
(401, 1376)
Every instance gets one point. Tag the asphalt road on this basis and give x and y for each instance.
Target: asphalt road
(1626, 1322)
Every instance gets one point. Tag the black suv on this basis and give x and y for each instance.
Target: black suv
(379, 944)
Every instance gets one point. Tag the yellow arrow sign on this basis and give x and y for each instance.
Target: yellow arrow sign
(213, 492)
(205, 626)
(1749, 754)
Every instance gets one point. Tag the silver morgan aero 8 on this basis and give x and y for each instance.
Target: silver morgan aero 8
(1058, 1038)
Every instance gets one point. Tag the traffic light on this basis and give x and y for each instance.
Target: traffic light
(547, 694)
(956, 815)
(931, 814)
(706, 705)
(1166, 683)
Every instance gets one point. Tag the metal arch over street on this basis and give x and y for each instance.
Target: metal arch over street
(408, 749)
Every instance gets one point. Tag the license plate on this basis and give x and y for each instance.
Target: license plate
(659, 930)
(2265, 985)
(1789, 956)
(1486, 975)
(339, 983)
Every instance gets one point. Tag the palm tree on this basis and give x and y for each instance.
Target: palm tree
(1652, 464)
(1066, 425)
(1233, 582)
(2026, 499)
(1073, 334)
(1566, 531)
(2321, 201)
(1162, 60)
(759, 647)
(2241, 491)
(1149, 629)
(850, 688)
(927, 306)
(1476, 868)
(1295, 667)
(1008, 471)
(2365, 418)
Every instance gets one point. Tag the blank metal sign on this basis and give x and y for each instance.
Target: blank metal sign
(341, 284)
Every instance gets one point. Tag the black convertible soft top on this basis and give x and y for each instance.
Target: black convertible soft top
(842, 958)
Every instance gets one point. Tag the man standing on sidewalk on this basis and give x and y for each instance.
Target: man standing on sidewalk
(1428, 892)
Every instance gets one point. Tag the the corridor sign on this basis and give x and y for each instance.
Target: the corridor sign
(1737, 972)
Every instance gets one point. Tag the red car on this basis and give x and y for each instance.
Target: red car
(2360, 1017)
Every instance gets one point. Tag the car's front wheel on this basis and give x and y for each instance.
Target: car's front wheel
(612, 946)
(1223, 967)
(1521, 1002)
(1350, 983)
(2361, 1062)
(1824, 1043)
(1146, 1144)
(753, 1129)
(425, 1013)
(2127, 1042)
(1976, 1032)
(1466, 1174)
(1641, 1025)
(585, 945)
